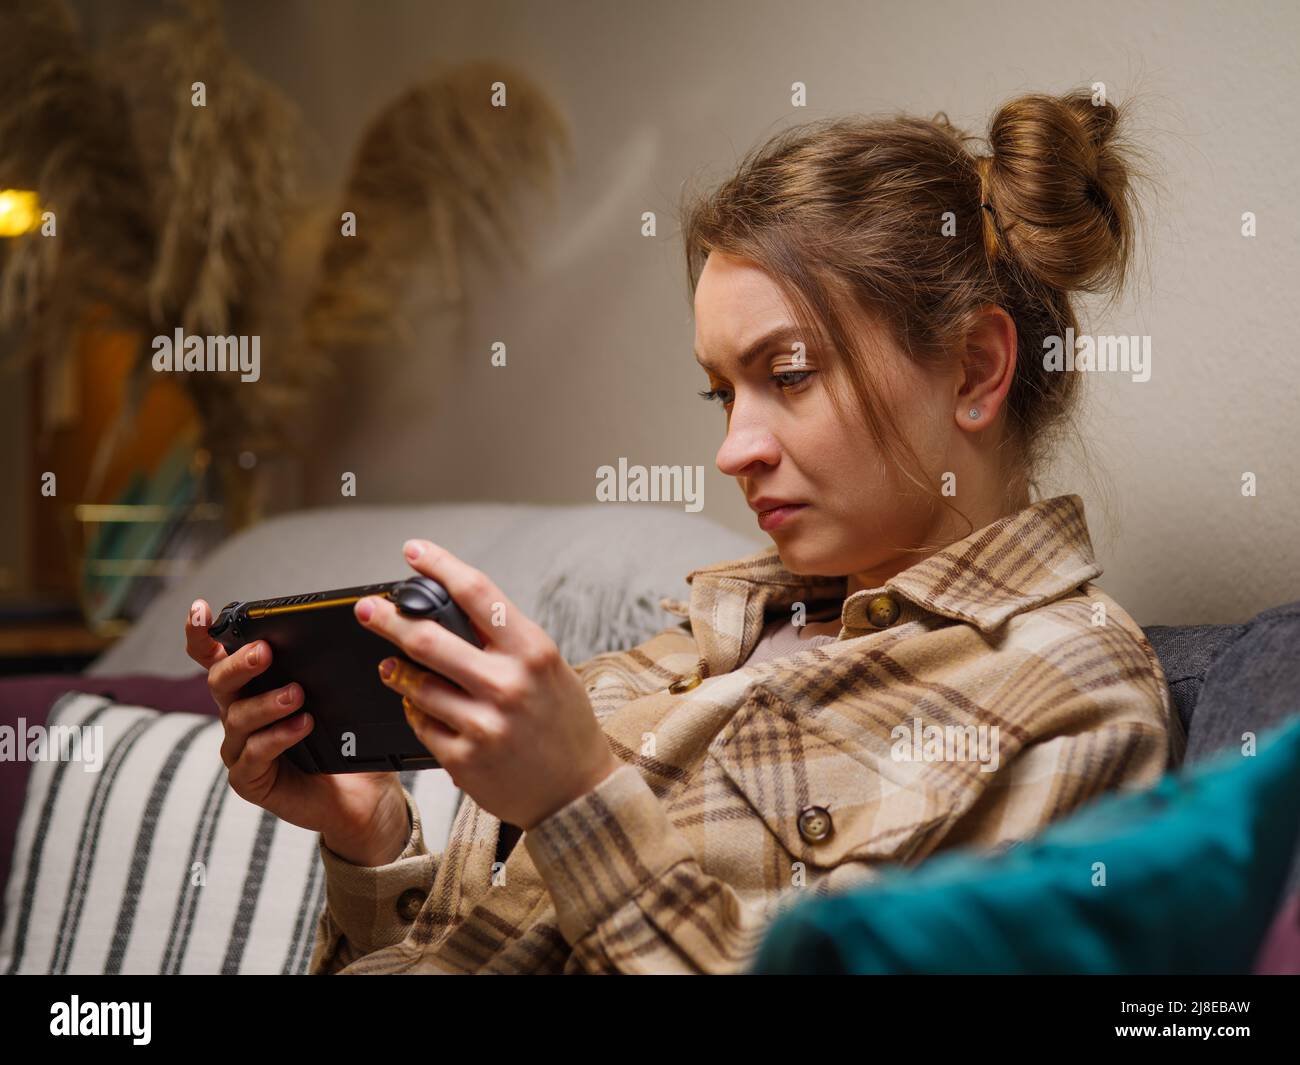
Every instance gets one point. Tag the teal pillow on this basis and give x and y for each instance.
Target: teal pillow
(1194, 868)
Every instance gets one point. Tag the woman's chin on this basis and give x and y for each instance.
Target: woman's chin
(805, 559)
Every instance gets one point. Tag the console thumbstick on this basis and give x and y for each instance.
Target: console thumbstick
(223, 620)
(419, 595)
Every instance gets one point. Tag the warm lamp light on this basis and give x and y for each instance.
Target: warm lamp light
(20, 212)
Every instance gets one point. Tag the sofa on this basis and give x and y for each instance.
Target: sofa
(152, 864)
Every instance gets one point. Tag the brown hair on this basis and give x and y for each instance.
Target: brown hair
(855, 210)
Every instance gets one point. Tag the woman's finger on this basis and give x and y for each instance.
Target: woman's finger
(429, 644)
(246, 716)
(434, 697)
(228, 676)
(264, 747)
(499, 622)
(201, 647)
(443, 743)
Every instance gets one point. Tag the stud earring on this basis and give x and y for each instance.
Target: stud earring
(974, 412)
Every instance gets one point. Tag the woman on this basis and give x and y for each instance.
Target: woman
(920, 661)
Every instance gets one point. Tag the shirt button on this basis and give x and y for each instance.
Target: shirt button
(882, 611)
(409, 903)
(684, 684)
(815, 824)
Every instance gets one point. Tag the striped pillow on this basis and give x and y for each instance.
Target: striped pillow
(152, 864)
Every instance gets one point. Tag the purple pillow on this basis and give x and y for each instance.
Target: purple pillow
(31, 697)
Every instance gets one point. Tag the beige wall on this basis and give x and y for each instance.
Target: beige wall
(600, 331)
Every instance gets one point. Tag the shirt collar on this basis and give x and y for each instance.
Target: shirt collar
(1014, 564)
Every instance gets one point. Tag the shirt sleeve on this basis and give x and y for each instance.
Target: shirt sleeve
(368, 908)
(630, 895)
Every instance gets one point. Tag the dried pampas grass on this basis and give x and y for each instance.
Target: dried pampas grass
(435, 177)
(64, 133)
(227, 176)
(172, 215)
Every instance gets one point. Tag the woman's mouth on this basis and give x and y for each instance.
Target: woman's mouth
(771, 519)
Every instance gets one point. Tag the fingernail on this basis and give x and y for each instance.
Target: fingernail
(254, 655)
(287, 696)
(413, 549)
(304, 721)
(365, 608)
(197, 613)
(386, 667)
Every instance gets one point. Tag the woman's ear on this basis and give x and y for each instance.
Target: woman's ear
(988, 362)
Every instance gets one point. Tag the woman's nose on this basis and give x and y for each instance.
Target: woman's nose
(746, 443)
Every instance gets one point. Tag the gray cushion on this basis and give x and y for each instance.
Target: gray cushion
(592, 574)
(1185, 653)
(1228, 680)
(1252, 685)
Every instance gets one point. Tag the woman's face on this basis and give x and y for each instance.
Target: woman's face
(785, 442)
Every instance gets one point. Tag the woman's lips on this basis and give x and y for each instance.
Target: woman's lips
(771, 519)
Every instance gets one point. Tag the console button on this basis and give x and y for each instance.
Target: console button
(223, 620)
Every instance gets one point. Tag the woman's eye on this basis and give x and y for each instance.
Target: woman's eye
(723, 395)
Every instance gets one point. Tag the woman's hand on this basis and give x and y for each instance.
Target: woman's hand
(520, 738)
(362, 816)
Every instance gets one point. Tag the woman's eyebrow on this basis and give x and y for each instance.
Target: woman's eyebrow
(781, 334)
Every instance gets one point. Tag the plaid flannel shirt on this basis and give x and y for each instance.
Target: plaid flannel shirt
(746, 787)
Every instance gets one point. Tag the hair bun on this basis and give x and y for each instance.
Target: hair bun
(1059, 181)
